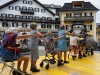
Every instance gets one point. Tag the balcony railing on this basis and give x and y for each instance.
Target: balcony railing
(29, 20)
(82, 18)
(27, 11)
(46, 30)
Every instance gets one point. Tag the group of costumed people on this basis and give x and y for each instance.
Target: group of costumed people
(7, 52)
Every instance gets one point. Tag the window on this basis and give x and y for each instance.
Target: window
(24, 8)
(56, 26)
(89, 27)
(68, 14)
(24, 1)
(43, 26)
(30, 2)
(30, 17)
(88, 14)
(4, 24)
(49, 26)
(17, 8)
(77, 14)
(24, 17)
(4, 15)
(36, 17)
(43, 10)
(14, 24)
(98, 25)
(43, 18)
(49, 18)
(17, 16)
(30, 8)
(77, 6)
(36, 9)
(11, 7)
(52, 5)
(68, 27)
(10, 15)
(24, 25)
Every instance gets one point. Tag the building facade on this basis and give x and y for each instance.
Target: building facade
(98, 32)
(79, 15)
(21, 13)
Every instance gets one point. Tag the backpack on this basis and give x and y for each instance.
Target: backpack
(8, 41)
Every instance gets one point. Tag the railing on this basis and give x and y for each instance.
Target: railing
(81, 18)
(27, 11)
(3, 28)
(29, 20)
(45, 30)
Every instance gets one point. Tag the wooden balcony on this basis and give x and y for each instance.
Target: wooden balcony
(27, 11)
(81, 18)
(29, 20)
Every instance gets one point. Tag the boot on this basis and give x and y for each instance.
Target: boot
(92, 53)
(59, 63)
(84, 55)
(34, 69)
(80, 55)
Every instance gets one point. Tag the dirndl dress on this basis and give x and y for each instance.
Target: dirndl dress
(62, 43)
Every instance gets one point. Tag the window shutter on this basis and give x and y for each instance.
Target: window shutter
(66, 27)
(90, 27)
(84, 26)
(17, 24)
(66, 14)
(71, 27)
(70, 14)
(12, 24)
(90, 13)
(85, 14)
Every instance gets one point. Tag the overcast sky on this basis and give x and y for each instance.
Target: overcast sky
(61, 2)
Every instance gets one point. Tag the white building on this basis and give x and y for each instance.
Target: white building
(20, 13)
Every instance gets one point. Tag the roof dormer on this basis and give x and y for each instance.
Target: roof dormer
(52, 5)
(78, 4)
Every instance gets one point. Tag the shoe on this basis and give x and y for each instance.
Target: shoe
(60, 63)
(66, 61)
(25, 73)
(92, 53)
(61, 60)
(34, 69)
(84, 55)
(80, 55)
